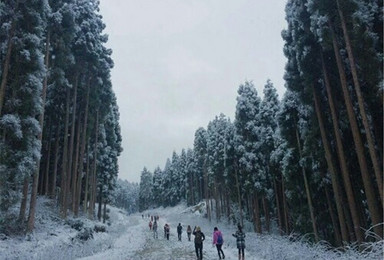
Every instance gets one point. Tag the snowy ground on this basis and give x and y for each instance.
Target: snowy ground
(129, 238)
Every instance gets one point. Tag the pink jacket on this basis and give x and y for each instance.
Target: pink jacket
(216, 235)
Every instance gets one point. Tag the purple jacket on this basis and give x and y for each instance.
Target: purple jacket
(216, 235)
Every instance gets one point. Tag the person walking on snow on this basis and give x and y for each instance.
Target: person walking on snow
(166, 231)
(189, 232)
(155, 229)
(218, 241)
(199, 238)
(179, 231)
(150, 225)
(240, 241)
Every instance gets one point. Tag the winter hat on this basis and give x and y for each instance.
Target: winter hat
(198, 228)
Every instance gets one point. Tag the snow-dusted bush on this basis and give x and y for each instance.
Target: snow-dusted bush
(85, 234)
(100, 228)
(75, 224)
(10, 226)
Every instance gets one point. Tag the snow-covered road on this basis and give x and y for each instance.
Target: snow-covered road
(138, 242)
(129, 238)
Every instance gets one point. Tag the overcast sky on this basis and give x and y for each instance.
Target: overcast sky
(179, 63)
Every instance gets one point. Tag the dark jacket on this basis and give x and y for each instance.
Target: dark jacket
(240, 239)
(199, 237)
(179, 229)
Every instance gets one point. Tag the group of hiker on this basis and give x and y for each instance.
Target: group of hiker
(218, 240)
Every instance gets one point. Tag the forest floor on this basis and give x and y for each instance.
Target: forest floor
(128, 237)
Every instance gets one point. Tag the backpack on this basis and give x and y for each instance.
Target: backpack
(198, 238)
(220, 239)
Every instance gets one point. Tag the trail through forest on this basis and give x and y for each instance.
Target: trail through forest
(139, 242)
(128, 237)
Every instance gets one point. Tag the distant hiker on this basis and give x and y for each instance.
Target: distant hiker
(199, 238)
(151, 218)
(142, 216)
(240, 241)
(150, 225)
(166, 231)
(179, 231)
(189, 232)
(155, 230)
(218, 241)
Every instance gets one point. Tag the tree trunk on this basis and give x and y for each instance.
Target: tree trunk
(105, 211)
(64, 163)
(368, 185)
(87, 177)
(71, 142)
(7, 61)
(285, 204)
(278, 206)
(308, 192)
(217, 200)
(55, 164)
(348, 221)
(332, 168)
(82, 151)
(333, 218)
(228, 206)
(266, 212)
(41, 182)
(100, 200)
(206, 191)
(91, 211)
(75, 165)
(238, 193)
(256, 214)
(341, 156)
(35, 179)
(360, 99)
(23, 206)
(46, 186)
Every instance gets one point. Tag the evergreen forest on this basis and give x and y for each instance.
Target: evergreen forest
(59, 120)
(310, 163)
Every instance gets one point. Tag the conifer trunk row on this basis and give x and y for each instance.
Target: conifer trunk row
(361, 103)
(307, 190)
(71, 145)
(35, 179)
(55, 164)
(337, 190)
(368, 185)
(64, 163)
(341, 156)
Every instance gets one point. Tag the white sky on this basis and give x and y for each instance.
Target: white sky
(179, 63)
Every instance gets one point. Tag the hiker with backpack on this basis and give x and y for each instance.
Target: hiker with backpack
(218, 241)
(179, 231)
(240, 241)
(189, 232)
(199, 238)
